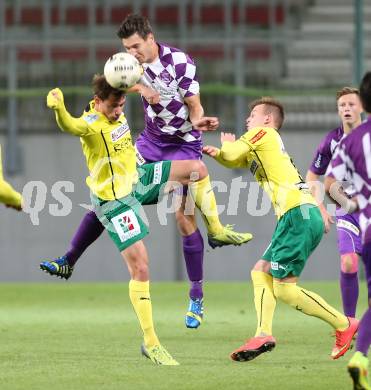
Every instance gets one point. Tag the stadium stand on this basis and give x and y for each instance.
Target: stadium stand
(292, 44)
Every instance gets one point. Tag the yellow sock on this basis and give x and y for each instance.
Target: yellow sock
(309, 303)
(205, 201)
(265, 301)
(141, 301)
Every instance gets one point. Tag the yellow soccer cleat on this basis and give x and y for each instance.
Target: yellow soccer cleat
(228, 237)
(159, 355)
(358, 370)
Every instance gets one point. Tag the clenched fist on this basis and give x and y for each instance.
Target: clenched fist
(54, 99)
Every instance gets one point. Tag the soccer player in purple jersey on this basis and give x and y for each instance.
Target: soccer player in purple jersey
(174, 119)
(347, 225)
(353, 158)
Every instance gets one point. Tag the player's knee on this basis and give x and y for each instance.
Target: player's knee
(349, 262)
(283, 292)
(140, 270)
(199, 168)
(262, 265)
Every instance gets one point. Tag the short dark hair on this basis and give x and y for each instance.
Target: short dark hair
(365, 92)
(346, 91)
(103, 90)
(132, 24)
(272, 106)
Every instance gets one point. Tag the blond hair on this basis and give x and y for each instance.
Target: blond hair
(346, 91)
(272, 106)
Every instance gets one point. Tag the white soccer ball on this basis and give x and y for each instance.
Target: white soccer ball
(122, 71)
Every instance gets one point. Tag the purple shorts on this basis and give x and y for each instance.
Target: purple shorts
(148, 152)
(153, 152)
(349, 233)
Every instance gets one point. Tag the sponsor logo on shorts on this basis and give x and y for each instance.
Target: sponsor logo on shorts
(157, 174)
(342, 223)
(258, 136)
(126, 225)
(119, 132)
(140, 159)
(274, 266)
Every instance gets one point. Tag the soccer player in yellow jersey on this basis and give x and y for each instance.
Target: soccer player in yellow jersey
(9, 196)
(298, 232)
(118, 190)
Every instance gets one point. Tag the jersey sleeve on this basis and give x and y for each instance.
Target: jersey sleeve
(322, 157)
(185, 74)
(233, 154)
(8, 195)
(70, 124)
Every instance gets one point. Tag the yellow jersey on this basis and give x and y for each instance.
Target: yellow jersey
(261, 150)
(8, 195)
(108, 149)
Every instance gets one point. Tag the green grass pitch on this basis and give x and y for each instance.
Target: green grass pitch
(86, 336)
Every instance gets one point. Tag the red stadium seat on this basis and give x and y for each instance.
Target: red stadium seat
(77, 15)
(209, 15)
(30, 54)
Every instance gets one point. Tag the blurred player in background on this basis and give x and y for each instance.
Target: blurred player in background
(298, 232)
(173, 113)
(352, 160)
(118, 193)
(347, 226)
(8, 195)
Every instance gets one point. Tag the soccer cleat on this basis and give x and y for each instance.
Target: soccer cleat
(158, 355)
(358, 370)
(344, 338)
(195, 313)
(58, 267)
(253, 348)
(228, 237)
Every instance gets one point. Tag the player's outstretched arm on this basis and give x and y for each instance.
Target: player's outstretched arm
(196, 115)
(66, 122)
(9, 196)
(316, 188)
(234, 151)
(233, 154)
(335, 190)
(206, 123)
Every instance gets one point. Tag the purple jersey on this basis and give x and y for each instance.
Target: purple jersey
(173, 75)
(326, 150)
(324, 153)
(353, 159)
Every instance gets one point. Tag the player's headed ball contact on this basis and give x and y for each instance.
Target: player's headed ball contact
(122, 71)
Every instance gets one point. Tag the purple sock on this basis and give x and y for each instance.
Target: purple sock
(88, 231)
(193, 249)
(364, 333)
(349, 292)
